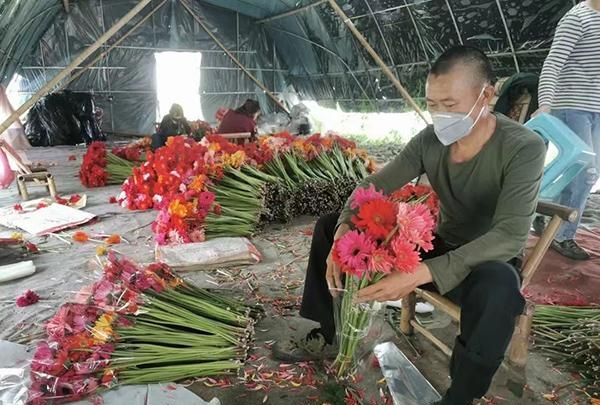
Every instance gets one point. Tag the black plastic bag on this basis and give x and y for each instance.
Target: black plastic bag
(64, 118)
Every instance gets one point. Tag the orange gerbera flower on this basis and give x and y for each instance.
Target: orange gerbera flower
(377, 218)
(80, 236)
(113, 239)
(235, 160)
(178, 209)
(102, 331)
(198, 183)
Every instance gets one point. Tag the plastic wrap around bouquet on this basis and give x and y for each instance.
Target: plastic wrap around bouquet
(389, 234)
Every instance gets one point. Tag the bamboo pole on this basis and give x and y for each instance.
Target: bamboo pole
(233, 58)
(110, 48)
(75, 63)
(407, 315)
(533, 261)
(431, 337)
(440, 302)
(519, 344)
(386, 70)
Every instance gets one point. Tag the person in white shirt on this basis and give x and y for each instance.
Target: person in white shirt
(570, 90)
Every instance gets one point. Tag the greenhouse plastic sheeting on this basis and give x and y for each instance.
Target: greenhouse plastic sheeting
(311, 52)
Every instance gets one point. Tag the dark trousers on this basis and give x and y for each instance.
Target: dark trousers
(490, 300)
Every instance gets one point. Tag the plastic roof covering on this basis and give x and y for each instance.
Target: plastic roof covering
(310, 53)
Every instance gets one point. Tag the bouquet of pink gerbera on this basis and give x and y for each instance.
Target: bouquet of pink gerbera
(389, 234)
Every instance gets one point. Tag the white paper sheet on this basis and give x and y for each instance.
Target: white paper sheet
(45, 220)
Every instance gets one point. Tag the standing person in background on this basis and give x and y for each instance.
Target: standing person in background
(241, 120)
(570, 90)
(174, 123)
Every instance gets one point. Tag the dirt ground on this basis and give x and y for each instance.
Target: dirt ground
(276, 282)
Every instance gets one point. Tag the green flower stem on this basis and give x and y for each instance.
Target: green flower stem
(177, 372)
(127, 355)
(205, 308)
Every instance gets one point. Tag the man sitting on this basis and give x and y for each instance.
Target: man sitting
(486, 170)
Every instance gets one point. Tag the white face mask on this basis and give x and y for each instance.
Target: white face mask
(450, 127)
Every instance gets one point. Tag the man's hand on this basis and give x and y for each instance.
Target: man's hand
(395, 286)
(542, 109)
(333, 274)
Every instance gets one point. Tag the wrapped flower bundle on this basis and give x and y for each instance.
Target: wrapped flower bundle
(138, 325)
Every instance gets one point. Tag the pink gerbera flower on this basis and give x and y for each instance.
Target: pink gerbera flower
(381, 261)
(416, 224)
(353, 251)
(364, 195)
(406, 257)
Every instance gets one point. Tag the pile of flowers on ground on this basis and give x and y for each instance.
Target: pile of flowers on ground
(100, 167)
(138, 325)
(388, 234)
(215, 188)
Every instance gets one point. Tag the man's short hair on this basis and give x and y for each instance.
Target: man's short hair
(468, 56)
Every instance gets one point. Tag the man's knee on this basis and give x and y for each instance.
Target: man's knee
(496, 282)
(325, 226)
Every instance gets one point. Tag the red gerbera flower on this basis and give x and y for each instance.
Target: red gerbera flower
(31, 247)
(28, 298)
(113, 239)
(80, 236)
(377, 218)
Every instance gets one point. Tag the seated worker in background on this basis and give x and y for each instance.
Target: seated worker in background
(174, 123)
(486, 170)
(241, 120)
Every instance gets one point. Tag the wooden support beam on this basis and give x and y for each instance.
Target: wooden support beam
(110, 48)
(431, 337)
(407, 315)
(67, 6)
(386, 70)
(440, 302)
(533, 260)
(291, 12)
(49, 86)
(519, 344)
(233, 58)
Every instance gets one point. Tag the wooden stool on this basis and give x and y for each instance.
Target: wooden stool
(39, 177)
(519, 347)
